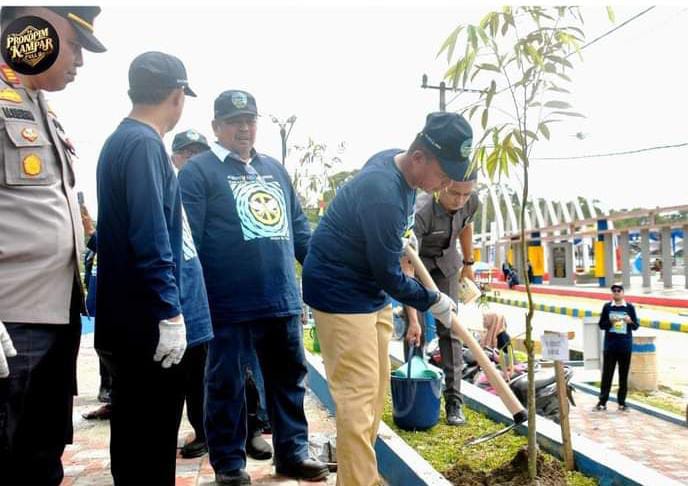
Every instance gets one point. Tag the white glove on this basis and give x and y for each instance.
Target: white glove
(443, 309)
(6, 351)
(172, 342)
(409, 240)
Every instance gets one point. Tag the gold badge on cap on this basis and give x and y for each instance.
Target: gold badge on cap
(33, 165)
(8, 94)
(30, 134)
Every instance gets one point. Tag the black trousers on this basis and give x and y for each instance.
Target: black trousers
(147, 404)
(193, 365)
(36, 400)
(611, 358)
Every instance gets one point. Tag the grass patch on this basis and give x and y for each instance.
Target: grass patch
(442, 446)
(665, 398)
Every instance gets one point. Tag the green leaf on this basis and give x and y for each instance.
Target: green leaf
(531, 135)
(472, 111)
(491, 163)
(563, 76)
(490, 93)
(450, 43)
(569, 113)
(553, 87)
(560, 60)
(557, 104)
(542, 128)
(483, 118)
(610, 14)
(534, 54)
(472, 37)
(489, 67)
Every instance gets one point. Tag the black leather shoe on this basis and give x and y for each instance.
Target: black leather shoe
(455, 415)
(104, 395)
(195, 448)
(258, 448)
(233, 478)
(308, 470)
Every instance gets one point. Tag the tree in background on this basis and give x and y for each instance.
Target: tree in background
(519, 60)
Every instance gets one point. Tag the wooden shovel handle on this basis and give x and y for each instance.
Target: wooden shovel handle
(495, 379)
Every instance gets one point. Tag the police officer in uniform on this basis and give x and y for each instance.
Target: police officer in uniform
(41, 241)
(441, 220)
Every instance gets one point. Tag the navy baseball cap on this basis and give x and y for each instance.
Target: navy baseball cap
(233, 103)
(186, 138)
(449, 137)
(155, 69)
(616, 286)
(81, 19)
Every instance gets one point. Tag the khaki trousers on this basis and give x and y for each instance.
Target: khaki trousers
(355, 350)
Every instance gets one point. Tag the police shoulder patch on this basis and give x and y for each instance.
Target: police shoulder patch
(9, 94)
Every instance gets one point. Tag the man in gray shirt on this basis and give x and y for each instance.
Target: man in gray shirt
(440, 220)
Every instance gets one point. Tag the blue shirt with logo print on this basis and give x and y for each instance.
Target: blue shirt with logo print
(249, 228)
(353, 262)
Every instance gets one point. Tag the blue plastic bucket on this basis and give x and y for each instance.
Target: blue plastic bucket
(415, 401)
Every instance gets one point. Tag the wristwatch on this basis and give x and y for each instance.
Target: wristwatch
(468, 262)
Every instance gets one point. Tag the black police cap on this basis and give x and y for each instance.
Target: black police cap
(155, 69)
(81, 19)
(449, 137)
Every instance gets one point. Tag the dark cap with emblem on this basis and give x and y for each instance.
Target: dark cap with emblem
(616, 286)
(449, 137)
(153, 69)
(233, 103)
(187, 138)
(81, 19)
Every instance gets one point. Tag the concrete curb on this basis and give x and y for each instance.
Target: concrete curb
(609, 467)
(599, 295)
(399, 463)
(579, 312)
(641, 407)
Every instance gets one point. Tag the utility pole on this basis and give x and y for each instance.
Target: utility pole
(443, 91)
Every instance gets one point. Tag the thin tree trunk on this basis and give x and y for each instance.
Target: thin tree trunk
(532, 434)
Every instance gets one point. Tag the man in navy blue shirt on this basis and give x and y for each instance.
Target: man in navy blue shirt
(140, 332)
(249, 227)
(618, 321)
(353, 268)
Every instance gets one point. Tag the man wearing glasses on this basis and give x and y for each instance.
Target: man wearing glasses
(248, 227)
(618, 321)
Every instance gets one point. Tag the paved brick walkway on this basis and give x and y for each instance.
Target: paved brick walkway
(87, 461)
(656, 443)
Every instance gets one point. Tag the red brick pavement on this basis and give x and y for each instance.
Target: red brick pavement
(656, 443)
(87, 460)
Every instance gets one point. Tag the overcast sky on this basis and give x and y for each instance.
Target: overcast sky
(353, 74)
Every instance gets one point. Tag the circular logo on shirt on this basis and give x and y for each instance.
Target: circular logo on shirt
(30, 45)
(264, 208)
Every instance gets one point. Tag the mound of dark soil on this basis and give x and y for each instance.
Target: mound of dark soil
(513, 473)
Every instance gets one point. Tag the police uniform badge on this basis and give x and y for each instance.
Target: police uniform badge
(32, 165)
(192, 135)
(30, 134)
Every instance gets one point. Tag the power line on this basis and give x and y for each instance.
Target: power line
(613, 154)
(612, 30)
(571, 53)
